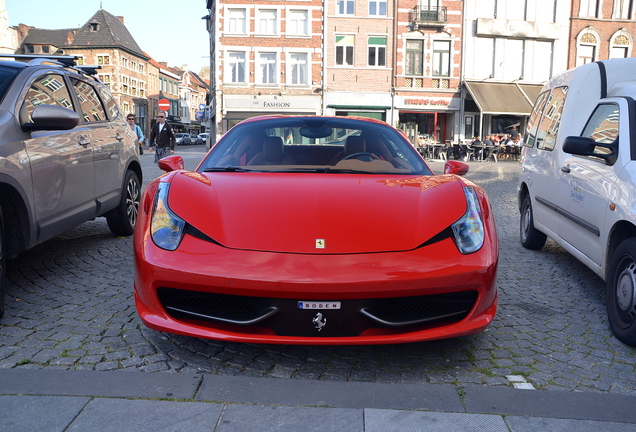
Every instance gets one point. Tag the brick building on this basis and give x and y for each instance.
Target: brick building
(428, 69)
(358, 59)
(267, 59)
(444, 70)
(601, 30)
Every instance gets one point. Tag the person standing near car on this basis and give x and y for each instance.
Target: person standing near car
(137, 130)
(163, 137)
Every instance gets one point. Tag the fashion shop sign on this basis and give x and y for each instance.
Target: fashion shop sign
(269, 102)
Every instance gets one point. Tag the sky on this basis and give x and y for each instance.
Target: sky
(169, 31)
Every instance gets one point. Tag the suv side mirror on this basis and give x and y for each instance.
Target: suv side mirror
(52, 117)
(583, 146)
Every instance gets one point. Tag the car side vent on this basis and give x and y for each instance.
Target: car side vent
(200, 235)
(442, 235)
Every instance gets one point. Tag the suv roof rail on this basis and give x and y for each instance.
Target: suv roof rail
(88, 69)
(36, 59)
(60, 60)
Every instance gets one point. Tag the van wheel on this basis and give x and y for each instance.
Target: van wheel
(531, 238)
(122, 221)
(620, 295)
(3, 266)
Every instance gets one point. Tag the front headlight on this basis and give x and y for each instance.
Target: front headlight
(166, 228)
(469, 229)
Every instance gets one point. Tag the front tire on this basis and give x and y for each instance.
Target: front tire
(122, 222)
(531, 238)
(620, 294)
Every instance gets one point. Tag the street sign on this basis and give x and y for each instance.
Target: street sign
(164, 104)
(201, 106)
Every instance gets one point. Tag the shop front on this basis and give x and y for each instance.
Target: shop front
(370, 105)
(428, 119)
(237, 108)
(497, 107)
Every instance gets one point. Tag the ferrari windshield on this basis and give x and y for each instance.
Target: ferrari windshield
(314, 144)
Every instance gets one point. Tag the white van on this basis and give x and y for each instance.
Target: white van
(578, 178)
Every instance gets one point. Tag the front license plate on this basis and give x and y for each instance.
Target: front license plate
(318, 305)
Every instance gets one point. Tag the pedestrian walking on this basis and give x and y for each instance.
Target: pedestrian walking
(162, 137)
(137, 130)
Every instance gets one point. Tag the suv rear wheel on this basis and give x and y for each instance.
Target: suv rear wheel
(621, 292)
(122, 221)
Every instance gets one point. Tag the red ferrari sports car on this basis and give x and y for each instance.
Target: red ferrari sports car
(315, 230)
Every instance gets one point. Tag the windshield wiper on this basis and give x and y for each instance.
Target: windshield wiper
(346, 171)
(228, 168)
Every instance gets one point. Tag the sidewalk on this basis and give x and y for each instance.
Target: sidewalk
(59, 400)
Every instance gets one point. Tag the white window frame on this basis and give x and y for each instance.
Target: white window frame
(344, 47)
(435, 58)
(291, 63)
(292, 23)
(104, 55)
(613, 47)
(232, 21)
(265, 24)
(343, 7)
(621, 9)
(594, 46)
(228, 77)
(375, 6)
(419, 54)
(589, 9)
(105, 79)
(377, 48)
(264, 75)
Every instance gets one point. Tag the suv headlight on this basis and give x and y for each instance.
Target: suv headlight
(166, 228)
(469, 229)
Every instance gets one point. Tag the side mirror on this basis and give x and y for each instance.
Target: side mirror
(583, 146)
(171, 163)
(455, 167)
(52, 117)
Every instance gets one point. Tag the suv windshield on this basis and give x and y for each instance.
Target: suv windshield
(7, 75)
(314, 144)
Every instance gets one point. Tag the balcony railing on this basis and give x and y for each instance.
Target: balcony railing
(428, 17)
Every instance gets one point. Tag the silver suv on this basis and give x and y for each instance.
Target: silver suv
(66, 156)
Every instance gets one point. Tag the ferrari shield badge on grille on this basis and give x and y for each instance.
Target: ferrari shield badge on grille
(319, 322)
(320, 243)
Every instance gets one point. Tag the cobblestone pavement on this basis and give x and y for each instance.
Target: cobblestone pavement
(70, 306)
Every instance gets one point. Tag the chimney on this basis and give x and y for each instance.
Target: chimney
(121, 18)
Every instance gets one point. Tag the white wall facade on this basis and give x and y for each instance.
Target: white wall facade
(515, 40)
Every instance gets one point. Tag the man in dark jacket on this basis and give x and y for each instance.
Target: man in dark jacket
(162, 136)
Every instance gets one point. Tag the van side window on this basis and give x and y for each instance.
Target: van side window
(602, 126)
(535, 117)
(549, 127)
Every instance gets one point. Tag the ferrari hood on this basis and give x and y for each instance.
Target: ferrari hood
(317, 213)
